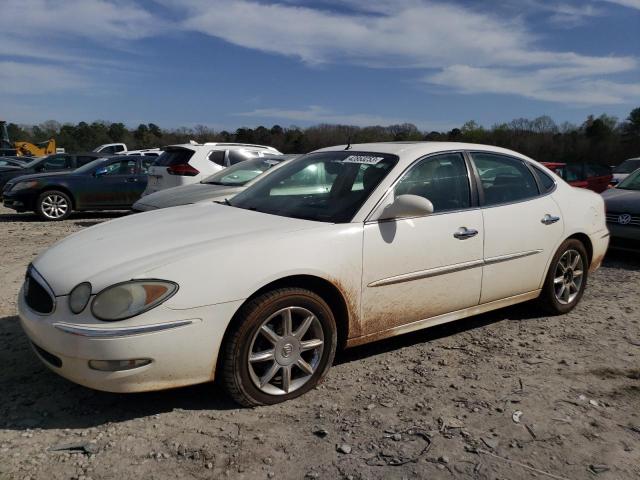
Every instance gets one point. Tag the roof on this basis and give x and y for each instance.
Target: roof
(413, 150)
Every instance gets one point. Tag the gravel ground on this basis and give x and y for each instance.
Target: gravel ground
(507, 395)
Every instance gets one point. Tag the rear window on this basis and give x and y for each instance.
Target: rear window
(217, 157)
(627, 166)
(546, 181)
(174, 156)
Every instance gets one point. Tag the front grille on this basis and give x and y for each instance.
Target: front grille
(50, 358)
(36, 295)
(614, 217)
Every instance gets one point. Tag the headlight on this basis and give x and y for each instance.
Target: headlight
(24, 185)
(79, 297)
(128, 299)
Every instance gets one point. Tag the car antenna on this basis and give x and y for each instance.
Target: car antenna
(348, 147)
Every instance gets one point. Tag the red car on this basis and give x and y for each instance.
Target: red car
(592, 176)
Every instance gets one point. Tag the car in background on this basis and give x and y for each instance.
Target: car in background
(622, 205)
(111, 183)
(18, 162)
(623, 170)
(147, 152)
(592, 176)
(51, 163)
(111, 148)
(259, 292)
(219, 186)
(191, 162)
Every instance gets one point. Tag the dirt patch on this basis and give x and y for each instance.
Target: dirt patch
(437, 403)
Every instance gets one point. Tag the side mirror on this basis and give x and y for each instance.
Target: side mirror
(101, 171)
(407, 206)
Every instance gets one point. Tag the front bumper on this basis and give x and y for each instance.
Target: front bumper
(628, 232)
(183, 354)
(18, 201)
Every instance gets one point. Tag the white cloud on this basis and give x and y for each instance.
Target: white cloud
(626, 3)
(94, 19)
(550, 84)
(25, 78)
(451, 39)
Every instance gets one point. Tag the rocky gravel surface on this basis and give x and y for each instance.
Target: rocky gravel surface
(507, 395)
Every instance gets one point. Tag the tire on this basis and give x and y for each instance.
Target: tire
(54, 205)
(307, 355)
(563, 288)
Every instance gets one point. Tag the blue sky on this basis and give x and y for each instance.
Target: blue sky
(232, 63)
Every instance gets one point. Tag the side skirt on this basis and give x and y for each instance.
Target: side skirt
(444, 318)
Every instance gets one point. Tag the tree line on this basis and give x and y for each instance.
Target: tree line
(602, 139)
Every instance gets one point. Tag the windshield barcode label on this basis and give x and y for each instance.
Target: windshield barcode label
(363, 159)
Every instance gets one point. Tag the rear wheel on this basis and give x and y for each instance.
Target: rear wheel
(281, 347)
(53, 205)
(566, 279)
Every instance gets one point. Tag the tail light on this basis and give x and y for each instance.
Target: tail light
(183, 169)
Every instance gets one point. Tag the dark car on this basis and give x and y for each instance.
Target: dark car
(592, 176)
(623, 212)
(112, 183)
(51, 163)
(14, 161)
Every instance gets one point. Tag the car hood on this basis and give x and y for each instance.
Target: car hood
(186, 194)
(132, 246)
(622, 201)
(38, 176)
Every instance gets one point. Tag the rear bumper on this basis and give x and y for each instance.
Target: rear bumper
(600, 244)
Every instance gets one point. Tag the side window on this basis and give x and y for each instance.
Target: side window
(442, 179)
(56, 163)
(574, 172)
(123, 167)
(546, 181)
(145, 163)
(504, 179)
(118, 148)
(217, 157)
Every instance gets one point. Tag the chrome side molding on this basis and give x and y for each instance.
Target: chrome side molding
(98, 332)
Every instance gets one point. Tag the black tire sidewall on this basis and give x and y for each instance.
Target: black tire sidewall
(45, 194)
(261, 310)
(552, 303)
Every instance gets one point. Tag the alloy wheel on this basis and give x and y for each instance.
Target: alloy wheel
(286, 351)
(54, 206)
(568, 277)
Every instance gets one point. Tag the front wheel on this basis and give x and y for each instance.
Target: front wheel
(566, 279)
(281, 347)
(53, 205)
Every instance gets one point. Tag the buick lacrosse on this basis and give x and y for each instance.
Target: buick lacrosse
(340, 247)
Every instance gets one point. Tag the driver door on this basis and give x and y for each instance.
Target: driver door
(419, 268)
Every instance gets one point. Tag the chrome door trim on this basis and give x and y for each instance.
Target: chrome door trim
(510, 256)
(458, 267)
(432, 272)
(93, 332)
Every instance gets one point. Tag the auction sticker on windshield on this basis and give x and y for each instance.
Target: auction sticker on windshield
(368, 159)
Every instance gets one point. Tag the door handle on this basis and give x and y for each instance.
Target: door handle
(463, 233)
(549, 219)
(131, 180)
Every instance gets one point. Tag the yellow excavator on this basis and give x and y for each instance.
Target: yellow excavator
(25, 149)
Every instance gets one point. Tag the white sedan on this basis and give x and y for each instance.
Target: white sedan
(340, 247)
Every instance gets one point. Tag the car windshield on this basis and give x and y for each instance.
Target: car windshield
(325, 186)
(632, 182)
(241, 173)
(627, 166)
(89, 167)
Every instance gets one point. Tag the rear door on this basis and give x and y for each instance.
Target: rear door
(522, 226)
(164, 173)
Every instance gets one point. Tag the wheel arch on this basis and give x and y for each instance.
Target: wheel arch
(329, 292)
(586, 241)
(59, 188)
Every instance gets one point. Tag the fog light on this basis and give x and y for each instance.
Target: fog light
(118, 365)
